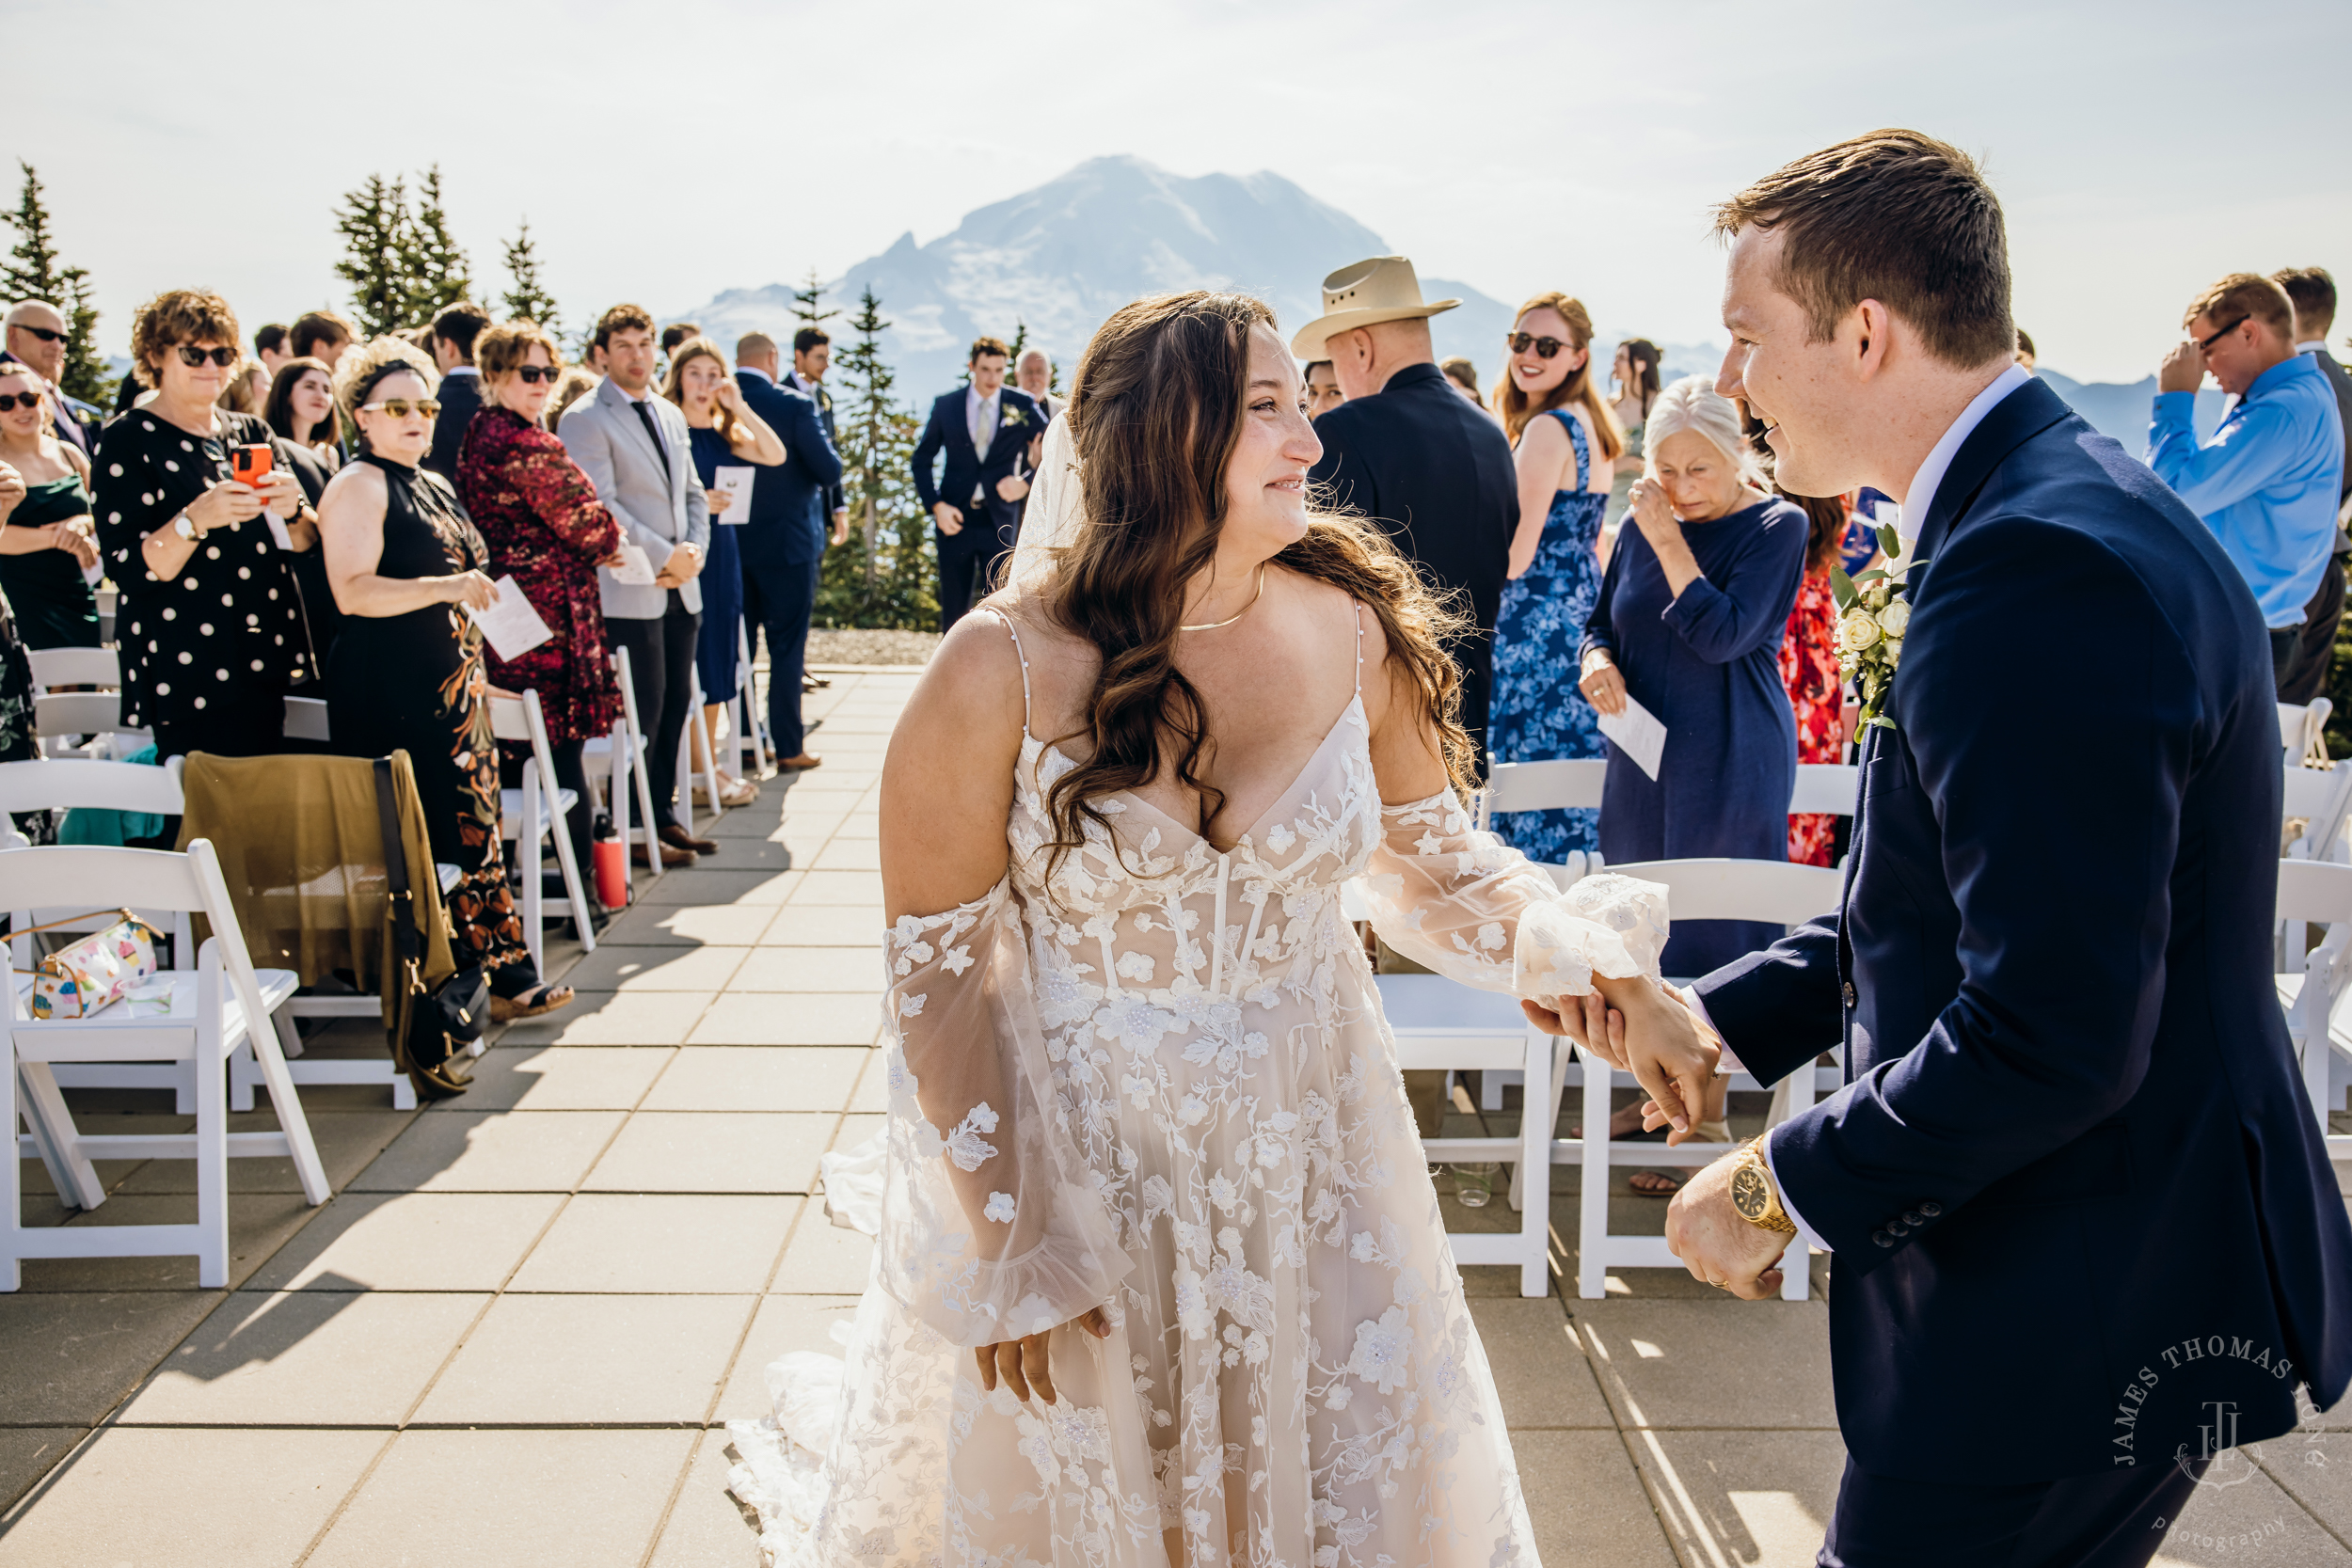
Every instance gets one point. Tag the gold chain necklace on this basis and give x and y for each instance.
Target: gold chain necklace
(1244, 609)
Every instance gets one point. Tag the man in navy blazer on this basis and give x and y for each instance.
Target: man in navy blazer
(985, 429)
(782, 542)
(2085, 1236)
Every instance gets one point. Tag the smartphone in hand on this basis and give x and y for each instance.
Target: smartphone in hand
(251, 464)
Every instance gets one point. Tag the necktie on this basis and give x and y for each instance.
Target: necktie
(982, 428)
(653, 430)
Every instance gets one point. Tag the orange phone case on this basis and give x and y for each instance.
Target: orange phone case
(250, 463)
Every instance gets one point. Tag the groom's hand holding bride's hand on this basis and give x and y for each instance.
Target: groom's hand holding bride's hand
(1639, 1025)
(1022, 1363)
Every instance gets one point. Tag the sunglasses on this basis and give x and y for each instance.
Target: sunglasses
(2204, 345)
(1545, 347)
(192, 357)
(530, 376)
(42, 332)
(399, 408)
(19, 400)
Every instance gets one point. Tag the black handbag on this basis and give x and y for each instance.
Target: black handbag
(436, 1032)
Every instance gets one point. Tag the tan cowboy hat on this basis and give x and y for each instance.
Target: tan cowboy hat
(1380, 290)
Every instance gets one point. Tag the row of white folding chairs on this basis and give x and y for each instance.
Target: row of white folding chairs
(2317, 994)
(2303, 730)
(218, 1008)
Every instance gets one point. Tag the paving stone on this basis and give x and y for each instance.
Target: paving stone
(346, 1141)
(784, 1324)
(1715, 1363)
(1759, 1497)
(861, 889)
(612, 966)
(759, 1078)
(566, 1360)
(411, 1241)
(520, 1499)
(662, 925)
(490, 1152)
(1541, 1371)
(714, 1151)
(306, 1358)
(259, 1224)
(719, 887)
(28, 1453)
(816, 926)
(73, 1355)
(558, 1078)
(848, 854)
(615, 1243)
(824, 1258)
(706, 1525)
(814, 968)
(614, 1018)
(1585, 1499)
(2323, 1484)
(791, 1018)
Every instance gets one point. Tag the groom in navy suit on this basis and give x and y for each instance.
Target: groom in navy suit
(985, 429)
(2085, 1235)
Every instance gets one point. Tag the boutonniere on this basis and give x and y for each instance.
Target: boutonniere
(1872, 621)
(1015, 416)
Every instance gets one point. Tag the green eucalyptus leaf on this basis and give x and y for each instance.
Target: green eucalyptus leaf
(1889, 541)
(1871, 576)
(1842, 586)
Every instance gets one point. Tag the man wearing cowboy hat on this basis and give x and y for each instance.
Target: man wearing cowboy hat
(1408, 452)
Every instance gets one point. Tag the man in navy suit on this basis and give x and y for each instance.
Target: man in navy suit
(453, 333)
(783, 541)
(985, 429)
(2085, 1236)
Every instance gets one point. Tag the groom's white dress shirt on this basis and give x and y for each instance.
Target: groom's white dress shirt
(980, 416)
(1918, 499)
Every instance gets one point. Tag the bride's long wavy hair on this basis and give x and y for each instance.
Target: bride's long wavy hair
(1155, 413)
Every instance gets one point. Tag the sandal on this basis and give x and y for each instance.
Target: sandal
(1660, 1183)
(530, 1004)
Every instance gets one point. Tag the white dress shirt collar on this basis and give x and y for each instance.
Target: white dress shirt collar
(1920, 497)
(754, 369)
(2312, 347)
(805, 384)
(461, 370)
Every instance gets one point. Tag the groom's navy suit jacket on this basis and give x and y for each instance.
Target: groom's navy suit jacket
(2072, 1136)
(1019, 422)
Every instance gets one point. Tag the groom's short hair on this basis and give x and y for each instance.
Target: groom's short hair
(989, 345)
(1898, 218)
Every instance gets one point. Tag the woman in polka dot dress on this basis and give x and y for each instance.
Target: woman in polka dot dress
(209, 624)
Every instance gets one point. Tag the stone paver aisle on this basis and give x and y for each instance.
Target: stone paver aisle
(513, 1335)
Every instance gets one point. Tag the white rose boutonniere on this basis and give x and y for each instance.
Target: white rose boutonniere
(1872, 624)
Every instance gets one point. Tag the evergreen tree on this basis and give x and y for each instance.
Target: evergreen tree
(884, 576)
(375, 225)
(32, 272)
(805, 302)
(438, 273)
(1020, 341)
(528, 300)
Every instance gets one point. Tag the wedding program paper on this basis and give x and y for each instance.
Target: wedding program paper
(511, 625)
(1638, 734)
(636, 568)
(736, 480)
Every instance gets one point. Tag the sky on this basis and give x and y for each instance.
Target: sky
(663, 152)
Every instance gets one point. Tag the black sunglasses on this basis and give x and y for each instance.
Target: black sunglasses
(42, 332)
(191, 356)
(19, 400)
(530, 376)
(2204, 345)
(1545, 347)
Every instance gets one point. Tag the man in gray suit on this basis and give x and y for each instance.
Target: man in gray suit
(634, 447)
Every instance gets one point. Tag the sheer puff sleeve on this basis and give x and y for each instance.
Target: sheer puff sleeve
(1472, 908)
(992, 1225)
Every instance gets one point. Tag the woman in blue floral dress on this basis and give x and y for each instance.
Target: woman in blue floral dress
(1565, 466)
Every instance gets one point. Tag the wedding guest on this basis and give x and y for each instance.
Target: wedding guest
(576, 382)
(454, 332)
(50, 539)
(210, 629)
(321, 335)
(247, 391)
(676, 333)
(408, 674)
(540, 519)
(1808, 671)
(722, 431)
(1404, 450)
(1034, 375)
(2312, 293)
(2025, 351)
(1635, 371)
(1564, 445)
(783, 541)
(300, 412)
(1322, 390)
(2268, 481)
(36, 334)
(812, 357)
(634, 446)
(270, 348)
(984, 429)
(1462, 372)
(1688, 623)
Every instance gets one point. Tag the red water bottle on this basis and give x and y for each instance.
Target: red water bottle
(612, 874)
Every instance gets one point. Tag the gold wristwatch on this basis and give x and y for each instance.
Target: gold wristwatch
(1752, 1194)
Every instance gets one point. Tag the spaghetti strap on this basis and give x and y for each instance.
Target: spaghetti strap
(1022, 654)
(1358, 610)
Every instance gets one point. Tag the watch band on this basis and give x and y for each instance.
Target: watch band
(1753, 1192)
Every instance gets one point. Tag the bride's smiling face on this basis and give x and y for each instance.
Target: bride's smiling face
(1265, 481)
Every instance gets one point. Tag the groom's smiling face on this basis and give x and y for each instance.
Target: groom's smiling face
(1808, 393)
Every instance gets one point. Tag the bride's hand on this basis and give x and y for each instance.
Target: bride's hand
(1587, 1022)
(1669, 1052)
(1022, 1363)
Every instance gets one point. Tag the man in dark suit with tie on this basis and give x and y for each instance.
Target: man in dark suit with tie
(2085, 1236)
(782, 542)
(2313, 293)
(1407, 450)
(985, 430)
(454, 332)
(36, 332)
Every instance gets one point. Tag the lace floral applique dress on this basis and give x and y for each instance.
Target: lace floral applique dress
(1156, 1077)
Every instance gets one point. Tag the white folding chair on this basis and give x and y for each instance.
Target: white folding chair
(1562, 785)
(2319, 999)
(623, 753)
(306, 719)
(2303, 730)
(1773, 892)
(695, 728)
(534, 813)
(54, 668)
(752, 734)
(207, 1015)
(59, 716)
(1826, 787)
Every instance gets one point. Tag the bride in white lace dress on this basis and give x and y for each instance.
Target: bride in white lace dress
(1162, 1280)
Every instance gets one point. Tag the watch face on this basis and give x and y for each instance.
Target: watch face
(1751, 1194)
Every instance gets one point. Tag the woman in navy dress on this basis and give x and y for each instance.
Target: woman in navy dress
(725, 432)
(1564, 462)
(1688, 622)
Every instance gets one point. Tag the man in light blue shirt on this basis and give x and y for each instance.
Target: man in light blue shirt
(2267, 481)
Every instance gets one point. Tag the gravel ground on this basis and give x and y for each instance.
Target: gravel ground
(851, 646)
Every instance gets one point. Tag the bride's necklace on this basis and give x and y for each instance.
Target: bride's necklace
(1212, 625)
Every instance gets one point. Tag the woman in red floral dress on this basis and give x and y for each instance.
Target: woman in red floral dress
(540, 516)
(1808, 668)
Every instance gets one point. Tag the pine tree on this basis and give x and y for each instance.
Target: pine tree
(374, 224)
(528, 300)
(32, 272)
(884, 576)
(1020, 341)
(805, 302)
(438, 273)
(85, 374)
